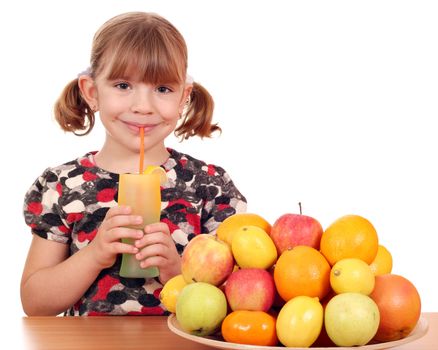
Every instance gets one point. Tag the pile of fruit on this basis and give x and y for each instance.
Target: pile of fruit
(292, 284)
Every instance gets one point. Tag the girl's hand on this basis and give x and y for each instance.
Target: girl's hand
(157, 248)
(106, 244)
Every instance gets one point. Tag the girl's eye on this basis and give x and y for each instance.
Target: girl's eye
(163, 89)
(122, 86)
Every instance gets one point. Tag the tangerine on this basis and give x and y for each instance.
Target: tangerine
(350, 236)
(250, 327)
(382, 263)
(302, 271)
(233, 223)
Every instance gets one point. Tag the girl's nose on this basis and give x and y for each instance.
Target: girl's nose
(142, 102)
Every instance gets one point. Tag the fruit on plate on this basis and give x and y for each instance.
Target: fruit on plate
(350, 236)
(382, 263)
(252, 247)
(250, 327)
(201, 308)
(299, 322)
(170, 292)
(351, 319)
(352, 275)
(399, 305)
(302, 271)
(250, 289)
(233, 223)
(291, 230)
(207, 259)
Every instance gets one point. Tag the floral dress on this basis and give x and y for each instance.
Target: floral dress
(67, 204)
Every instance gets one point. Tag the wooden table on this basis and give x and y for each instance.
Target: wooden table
(125, 332)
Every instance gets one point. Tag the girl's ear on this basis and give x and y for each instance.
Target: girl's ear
(185, 100)
(88, 91)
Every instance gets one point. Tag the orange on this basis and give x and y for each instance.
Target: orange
(233, 223)
(249, 327)
(302, 271)
(382, 263)
(351, 236)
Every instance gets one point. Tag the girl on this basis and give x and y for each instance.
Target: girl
(137, 79)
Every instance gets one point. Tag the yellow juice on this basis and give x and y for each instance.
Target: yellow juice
(142, 193)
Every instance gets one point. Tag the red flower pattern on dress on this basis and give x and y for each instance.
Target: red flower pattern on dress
(35, 208)
(106, 195)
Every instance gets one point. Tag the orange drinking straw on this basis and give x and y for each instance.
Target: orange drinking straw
(141, 151)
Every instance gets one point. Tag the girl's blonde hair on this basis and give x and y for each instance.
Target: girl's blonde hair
(157, 51)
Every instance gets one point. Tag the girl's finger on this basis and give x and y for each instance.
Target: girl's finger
(155, 238)
(152, 250)
(124, 248)
(123, 221)
(157, 227)
(118, 210)
(117, 233)
(153, 261)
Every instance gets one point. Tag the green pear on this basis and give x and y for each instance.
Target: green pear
(351, 319)
(200, 308)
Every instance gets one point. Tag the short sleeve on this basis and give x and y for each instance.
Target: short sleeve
(42, 211)
(222, 199)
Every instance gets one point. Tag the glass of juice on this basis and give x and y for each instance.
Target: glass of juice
(142, 193)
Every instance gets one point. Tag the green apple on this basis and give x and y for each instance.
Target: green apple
(201, 308)
(351, 319)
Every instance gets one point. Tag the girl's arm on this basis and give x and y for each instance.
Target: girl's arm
(53, 281)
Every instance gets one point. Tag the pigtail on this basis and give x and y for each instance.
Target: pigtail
(72, 112)
(196, 121)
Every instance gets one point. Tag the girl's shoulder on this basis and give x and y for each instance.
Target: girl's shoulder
(185, 162)
(82, 162)
(74, 172)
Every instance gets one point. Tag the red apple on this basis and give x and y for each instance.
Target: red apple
(251, 289)
(291, 230)
(207, 259)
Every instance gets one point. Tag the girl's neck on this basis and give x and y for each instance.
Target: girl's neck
(121, 160)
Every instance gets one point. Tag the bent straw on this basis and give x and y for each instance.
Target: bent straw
(141, 150)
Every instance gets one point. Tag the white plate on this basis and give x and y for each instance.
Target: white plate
(419, 331)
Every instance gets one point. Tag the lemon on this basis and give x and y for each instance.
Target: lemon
(170, 292)
(299, 322)
(352, 275)
(155, 169)
(382, 263)
(253, 248)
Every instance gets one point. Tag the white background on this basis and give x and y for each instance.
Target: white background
(328, 103)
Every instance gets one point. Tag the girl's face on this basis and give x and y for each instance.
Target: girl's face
(128, 104)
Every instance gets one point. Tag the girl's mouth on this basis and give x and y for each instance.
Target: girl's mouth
(135, 127)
